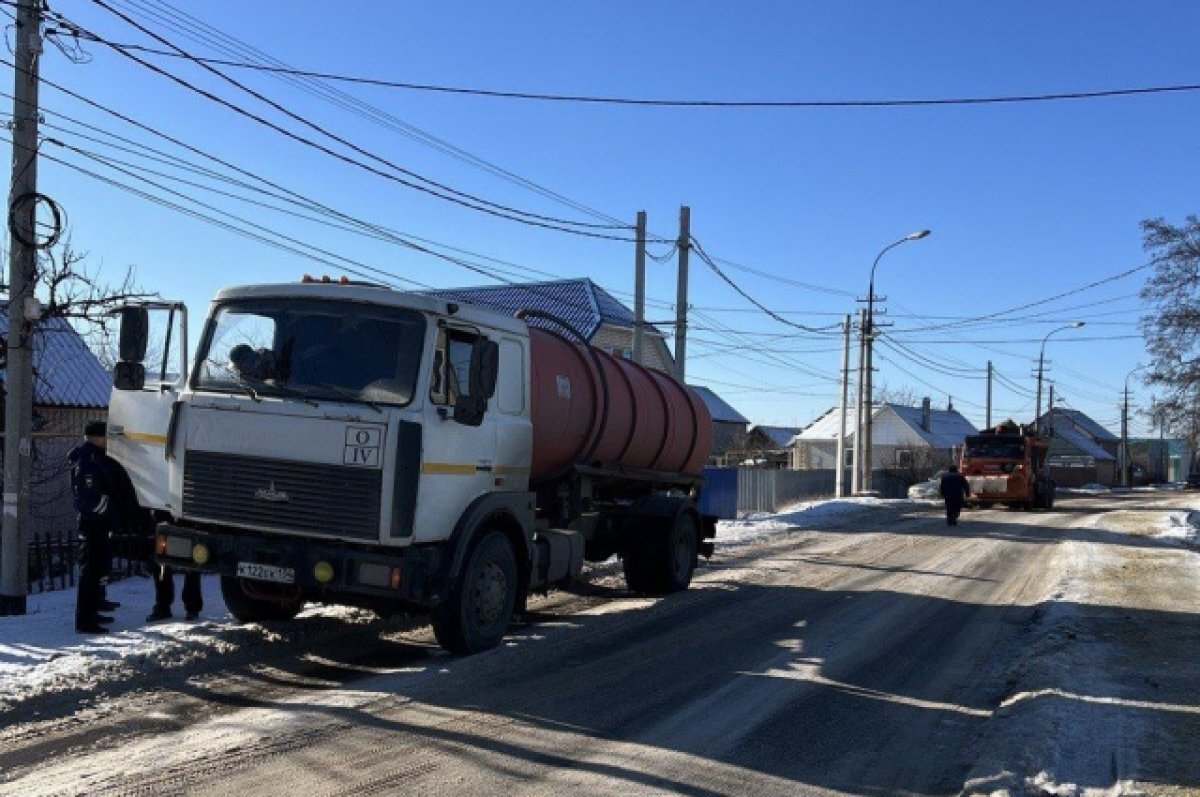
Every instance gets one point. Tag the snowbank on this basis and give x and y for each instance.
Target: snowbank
(1183, 526)
(806, 515)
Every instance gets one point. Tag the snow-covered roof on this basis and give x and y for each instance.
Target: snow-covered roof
(67, 374)
(1067, 437)
(717, 406)
(779, 435)
(947, 428)
(1085, 423)
(580, 302)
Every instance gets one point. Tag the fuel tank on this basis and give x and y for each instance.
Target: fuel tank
(588, 407)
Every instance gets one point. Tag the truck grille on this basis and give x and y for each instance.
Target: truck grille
(281, 494)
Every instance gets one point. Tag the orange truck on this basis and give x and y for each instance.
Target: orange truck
(1007, 465)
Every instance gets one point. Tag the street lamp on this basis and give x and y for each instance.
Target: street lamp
(1037, 415)
(1125, 428)
(866, 399)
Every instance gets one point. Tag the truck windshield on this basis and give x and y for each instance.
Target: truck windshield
(319, 349)
(996, 449)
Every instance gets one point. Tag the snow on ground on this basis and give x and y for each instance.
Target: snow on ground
(40, 653)
(1182, 525)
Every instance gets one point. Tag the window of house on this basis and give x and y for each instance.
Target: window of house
(904, 458)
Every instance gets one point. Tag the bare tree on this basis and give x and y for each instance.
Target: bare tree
(1172, 327)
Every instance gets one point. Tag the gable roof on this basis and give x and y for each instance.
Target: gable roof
(779, 435)
(1085, 423)
(947, 428)
(717, 407)
(580, 302)
(66, 372)
(1067, 438)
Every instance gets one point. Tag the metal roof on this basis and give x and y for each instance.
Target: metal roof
(1066, 438)
(717, 407)
(1085, 423)
(67, 374)
(947, 428)
(580, 302)
(779, 435)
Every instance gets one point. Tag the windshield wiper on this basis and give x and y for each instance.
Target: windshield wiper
(350, 394)
(243, 381)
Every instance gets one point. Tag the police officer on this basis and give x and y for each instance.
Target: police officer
(95, 491)
(164, 594)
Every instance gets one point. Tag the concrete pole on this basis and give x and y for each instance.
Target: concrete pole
(988, 411)
(1125, 438)
(869, 396)
(18, 415)
(839, 475)
(856, 473)
(681, 294)
(639, 289)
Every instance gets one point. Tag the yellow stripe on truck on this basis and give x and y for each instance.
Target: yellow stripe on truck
(147, 437)
(459, 468)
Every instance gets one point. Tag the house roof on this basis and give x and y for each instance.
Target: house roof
(67, 374)
(947, 428)
(580, 302)
(1085, 423)
(779, 435)
(717, 407)
(1066, 438)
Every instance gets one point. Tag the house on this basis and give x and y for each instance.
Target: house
(1154, 460)
(70, 387)
(764, 447)
(1081, 450)
(605, 322)
(914, 442)
(729, 428)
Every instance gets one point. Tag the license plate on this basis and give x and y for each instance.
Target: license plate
(279, 575)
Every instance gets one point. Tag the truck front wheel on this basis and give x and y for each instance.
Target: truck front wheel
(258, 602)
(480, 606)
(663, 560)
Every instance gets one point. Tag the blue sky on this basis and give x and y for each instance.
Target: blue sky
(1025, 201)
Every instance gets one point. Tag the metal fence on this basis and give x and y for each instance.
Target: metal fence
(54, 559)
(759, 490)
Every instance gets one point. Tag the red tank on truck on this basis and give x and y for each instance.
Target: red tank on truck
(346, 443)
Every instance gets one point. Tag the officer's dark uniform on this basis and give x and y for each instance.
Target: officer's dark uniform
(954, 488)
(93, 486)
(164, 594)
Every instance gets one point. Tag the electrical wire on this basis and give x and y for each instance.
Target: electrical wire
(907, 102)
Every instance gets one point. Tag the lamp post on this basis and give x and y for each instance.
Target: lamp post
(1125, 428)
(866, 402)
(1037, 414)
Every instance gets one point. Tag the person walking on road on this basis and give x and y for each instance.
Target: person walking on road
(98, 503)
(954, 489)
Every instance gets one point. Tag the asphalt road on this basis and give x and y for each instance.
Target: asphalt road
(870, 657)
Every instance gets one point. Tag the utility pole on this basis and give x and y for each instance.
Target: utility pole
(681, 294)
(988, 410)
(839, 473)
(856, 473)
(18, 413)
(869, 394)
(1050, 412)
(639, 288)
(1125, 438)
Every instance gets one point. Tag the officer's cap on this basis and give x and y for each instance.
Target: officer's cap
(95, 429)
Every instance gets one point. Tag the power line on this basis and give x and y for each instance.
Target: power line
(907, 102)
(431, 187)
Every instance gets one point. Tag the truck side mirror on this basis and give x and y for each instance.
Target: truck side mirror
(469, 410)
(135, 331)
(129, 376)
(485, 367)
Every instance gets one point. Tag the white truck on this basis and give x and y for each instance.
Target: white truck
(348, 443)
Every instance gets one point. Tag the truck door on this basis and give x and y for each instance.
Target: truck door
(150, 374)
(459, 446)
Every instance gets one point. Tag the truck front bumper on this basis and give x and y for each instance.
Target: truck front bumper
(408, 575)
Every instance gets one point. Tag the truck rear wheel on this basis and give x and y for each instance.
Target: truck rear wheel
(663, 560)
(480, 606)
(258, 602)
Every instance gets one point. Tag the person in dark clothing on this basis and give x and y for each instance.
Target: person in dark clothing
(93, 486)
(164, 594)
(954, 489)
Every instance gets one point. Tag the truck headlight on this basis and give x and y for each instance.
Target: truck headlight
(323, 572)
